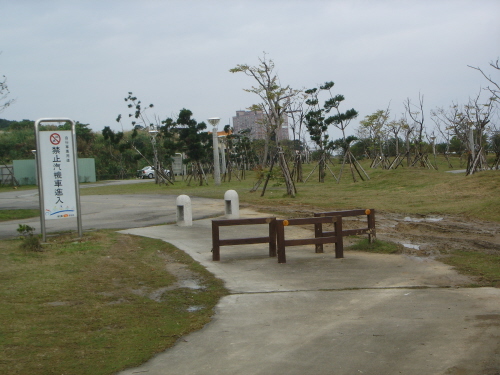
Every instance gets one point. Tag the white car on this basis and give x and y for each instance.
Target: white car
(146, 172)
(149, 172)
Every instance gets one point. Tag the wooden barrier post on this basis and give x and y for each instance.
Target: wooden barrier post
(370, 229)
(217, 242)
(280, 238)
(320, 237)
(272, 238)
(339, 245)
(372, 234)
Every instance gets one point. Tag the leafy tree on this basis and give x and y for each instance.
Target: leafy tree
(192, 141)
(116, 145)
(343, 145)
(359, 147)
(457, 146)
(375, 127)
(170, 140)
(84, 138)
(317, 121)
(5, 124)
(245, 151)
(317, 127)
(18, 141)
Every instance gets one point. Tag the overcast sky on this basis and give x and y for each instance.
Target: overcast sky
(79, 59)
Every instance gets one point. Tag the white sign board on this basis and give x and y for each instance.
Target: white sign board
(58, 174)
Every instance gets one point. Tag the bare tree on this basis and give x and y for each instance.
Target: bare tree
(275, 103)
(297, 115)
(469, 124)
(495, 88)
(445, 132)
(416, 113)
(394, 128)
(275, 98)
(4, 93)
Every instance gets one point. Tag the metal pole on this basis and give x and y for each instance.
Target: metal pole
(77, 182)
(216, 157)
(40, 185)
(215, 121)
(223, 156)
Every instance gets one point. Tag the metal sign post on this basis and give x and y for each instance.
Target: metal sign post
(57, 169)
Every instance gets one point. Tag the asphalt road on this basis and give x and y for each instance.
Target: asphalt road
(107, 211)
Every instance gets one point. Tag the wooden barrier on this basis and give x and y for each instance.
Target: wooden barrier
(319, 239)
(370, 229)
(217, 242)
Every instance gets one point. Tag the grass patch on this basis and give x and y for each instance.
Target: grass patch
(6, 215)
(8, 188)
(96, 305)
(377, 246)
(404, 190)
(482, 265)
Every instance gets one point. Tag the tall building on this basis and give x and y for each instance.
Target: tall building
(254, 121)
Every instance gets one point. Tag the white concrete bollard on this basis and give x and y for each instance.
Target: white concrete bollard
(184, 211)
(232, 204)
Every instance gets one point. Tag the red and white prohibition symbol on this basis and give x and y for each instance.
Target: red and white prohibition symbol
(55, 138)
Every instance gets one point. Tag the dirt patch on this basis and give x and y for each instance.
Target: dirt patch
(439, 235)
(419, 235)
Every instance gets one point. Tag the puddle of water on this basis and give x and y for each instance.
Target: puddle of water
(191, 284)
(432, 219)
(411, 246)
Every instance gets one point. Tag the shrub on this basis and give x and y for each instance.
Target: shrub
(30, 242)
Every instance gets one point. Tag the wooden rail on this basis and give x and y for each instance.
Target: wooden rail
(217, 242)
(319, 239)
(370, 229)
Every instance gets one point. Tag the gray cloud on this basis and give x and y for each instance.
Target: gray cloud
(79, 59)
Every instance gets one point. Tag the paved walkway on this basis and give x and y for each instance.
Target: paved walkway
(364, 314)
(107, 211)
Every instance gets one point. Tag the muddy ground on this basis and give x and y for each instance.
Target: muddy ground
(419, 235)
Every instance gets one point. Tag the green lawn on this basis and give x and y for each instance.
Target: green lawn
(6, 215)
(404, 190)
(91, 305)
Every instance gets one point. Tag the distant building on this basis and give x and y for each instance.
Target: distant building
(253, 121)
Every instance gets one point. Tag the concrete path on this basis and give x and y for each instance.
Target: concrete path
(364, 314)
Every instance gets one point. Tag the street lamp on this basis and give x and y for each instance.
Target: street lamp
(214, 121)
